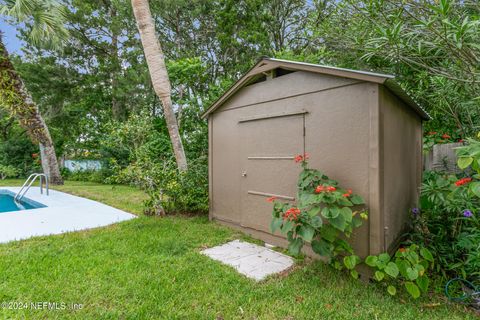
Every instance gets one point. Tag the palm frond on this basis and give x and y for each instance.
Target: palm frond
(46, 19)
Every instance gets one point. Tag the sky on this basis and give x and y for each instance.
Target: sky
(10, 37)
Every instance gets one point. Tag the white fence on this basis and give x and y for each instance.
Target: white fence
(82, 165)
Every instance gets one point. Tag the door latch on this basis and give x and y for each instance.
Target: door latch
(244, 173)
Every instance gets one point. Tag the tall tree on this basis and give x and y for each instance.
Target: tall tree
(159, 75)
(46, 19)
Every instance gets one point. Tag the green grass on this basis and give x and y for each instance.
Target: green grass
(151, 268)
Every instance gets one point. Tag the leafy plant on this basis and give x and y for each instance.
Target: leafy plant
(324, 216)
(448, 224)
(7, 172)
(469, 157)
(408, 267)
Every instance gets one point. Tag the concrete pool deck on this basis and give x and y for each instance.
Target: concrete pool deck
(64, 213)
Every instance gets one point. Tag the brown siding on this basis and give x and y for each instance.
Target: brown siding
(402, 145)
(355, 132)
(337, 135)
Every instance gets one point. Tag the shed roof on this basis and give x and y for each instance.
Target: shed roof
(269, 64)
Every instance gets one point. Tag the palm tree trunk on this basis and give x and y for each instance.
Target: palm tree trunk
(159, 75)
(17, 100)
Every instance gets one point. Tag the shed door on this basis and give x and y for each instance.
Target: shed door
(269, 145)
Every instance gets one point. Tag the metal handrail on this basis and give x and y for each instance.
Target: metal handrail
(28, 183)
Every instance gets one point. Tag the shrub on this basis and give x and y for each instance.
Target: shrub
(448, 224)
(320, 197)
(169, 190)
(408, 267)
(8, 172)
(326, 215)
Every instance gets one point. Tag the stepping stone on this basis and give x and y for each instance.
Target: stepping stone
(254, 261)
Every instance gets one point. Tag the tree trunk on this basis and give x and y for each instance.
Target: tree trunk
(17, 100)
(159, 75)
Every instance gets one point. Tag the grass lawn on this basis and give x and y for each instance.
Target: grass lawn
(150, 268)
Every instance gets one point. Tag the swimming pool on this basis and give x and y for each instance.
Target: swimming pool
(8, 204)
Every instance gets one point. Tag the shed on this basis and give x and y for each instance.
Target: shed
(358, 127)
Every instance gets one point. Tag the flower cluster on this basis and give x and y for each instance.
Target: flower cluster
(463, 181)
(301, 158)
(291, 214)
(320, 188)
(348, 193)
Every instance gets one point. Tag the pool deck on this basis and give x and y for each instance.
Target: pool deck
(64, 213)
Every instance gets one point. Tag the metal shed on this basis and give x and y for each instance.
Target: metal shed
(359, 128)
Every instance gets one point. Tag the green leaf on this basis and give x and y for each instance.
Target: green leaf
(347, 214)
(287, 226)
(306, 232)
(392, 270)
(326, 212)
(402, 267)
(334, 212)
(316, 222)
(275, 224)
(295, 246)
(412, 289)
(426, 254)
(356, 199)
(412, 274)
(392, 290)
(422, 283)
(329, 233)
(371, 261)
(354, 274)
(475, 188)
(420, 269)
(464, 162)
(338, 222)
(382, 260)
(314, 211)
(379, 275)
(322, 247)
(351, 261)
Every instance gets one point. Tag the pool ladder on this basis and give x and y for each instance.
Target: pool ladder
(28, 183)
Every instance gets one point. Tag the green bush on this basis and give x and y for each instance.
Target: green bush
(448, 224)
(170, 191)
(8, 172)
(98, 176)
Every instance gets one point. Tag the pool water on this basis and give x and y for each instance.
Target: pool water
(7, 203)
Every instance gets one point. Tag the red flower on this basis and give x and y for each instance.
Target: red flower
(331, 188)
(348, 193)
(300, 158)
(291, 214)
(463, 181)
(461, 140)
(271, 199)
(402, 249)
(34, 155)
(319, 189)
(431, 133)
(445, 136)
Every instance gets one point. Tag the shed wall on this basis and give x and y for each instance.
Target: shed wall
(402, 161)
(337, 137)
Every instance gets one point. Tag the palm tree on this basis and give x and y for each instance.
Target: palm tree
(159, 75)
(47, 29)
